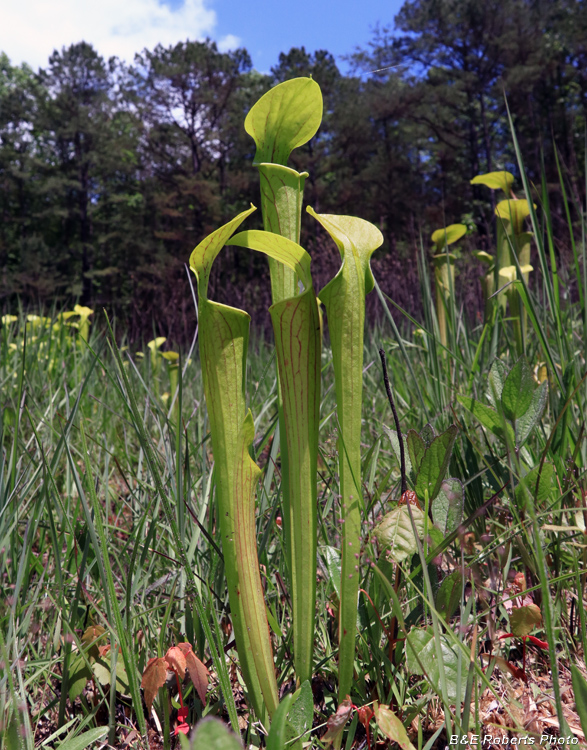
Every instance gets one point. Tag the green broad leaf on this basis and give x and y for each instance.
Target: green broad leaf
(447, 236)
(488, 417)
(518, 390)
(497, 376)
(84, 740)
(12, 733)
(435, 463)
(391, 726)
(79, 674)
(301, 714)
(392, 435)
(416, 449)
(284, 118)
(528, 421)
(396, 535)
(102, 670)
(448, 508)
(495, 180)
(580, 691)
(420, 643)
(523, 620)
(528, 485)
(435, 536)
(278, 733)
(344, 300)
(331, 557)
(212, 734)
(428, 434)
(448, 596)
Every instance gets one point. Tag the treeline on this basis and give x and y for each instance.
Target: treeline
(111, 174)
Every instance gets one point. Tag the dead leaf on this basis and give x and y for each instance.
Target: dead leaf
(199, 675)
(337, 721)
(176, 660)
(507, 666)
(153, 678)
(90, 638)
(365, 715)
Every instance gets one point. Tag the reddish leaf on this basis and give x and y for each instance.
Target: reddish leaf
(365, 715)
(536, 641)
(410, 497)
(507, 666)
(531, 638)
(197, 670)
(392, 727)
(153, 678)
(183, 727)
(176, 660)
(104, 650)
(336, 722)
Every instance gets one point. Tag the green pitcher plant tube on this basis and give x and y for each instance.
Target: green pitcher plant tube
(511, 215)
(344, 299)
(444, 272)
(504, 181)
(246, 477)
(284, 118)
(282, 191)
(298, 337)
(223, 342)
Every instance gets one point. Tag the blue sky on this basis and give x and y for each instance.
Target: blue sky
(266, 27)
(32, 29)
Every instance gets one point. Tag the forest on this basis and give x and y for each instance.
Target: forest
(110, 174)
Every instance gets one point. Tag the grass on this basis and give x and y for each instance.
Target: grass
(107, 519)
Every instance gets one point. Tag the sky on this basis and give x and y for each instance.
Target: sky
(31, 29)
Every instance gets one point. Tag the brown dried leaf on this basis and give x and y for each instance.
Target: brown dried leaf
(153, 678)
(176, 660)
(337, 721)
(197, 670)
(365, 714)
(507, 666)
(89, 638)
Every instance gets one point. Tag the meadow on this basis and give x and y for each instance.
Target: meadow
(466, 607)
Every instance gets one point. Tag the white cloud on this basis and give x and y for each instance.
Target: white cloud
(229, 42)
(32, 29)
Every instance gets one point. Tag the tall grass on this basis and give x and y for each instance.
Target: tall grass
(107, 518)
